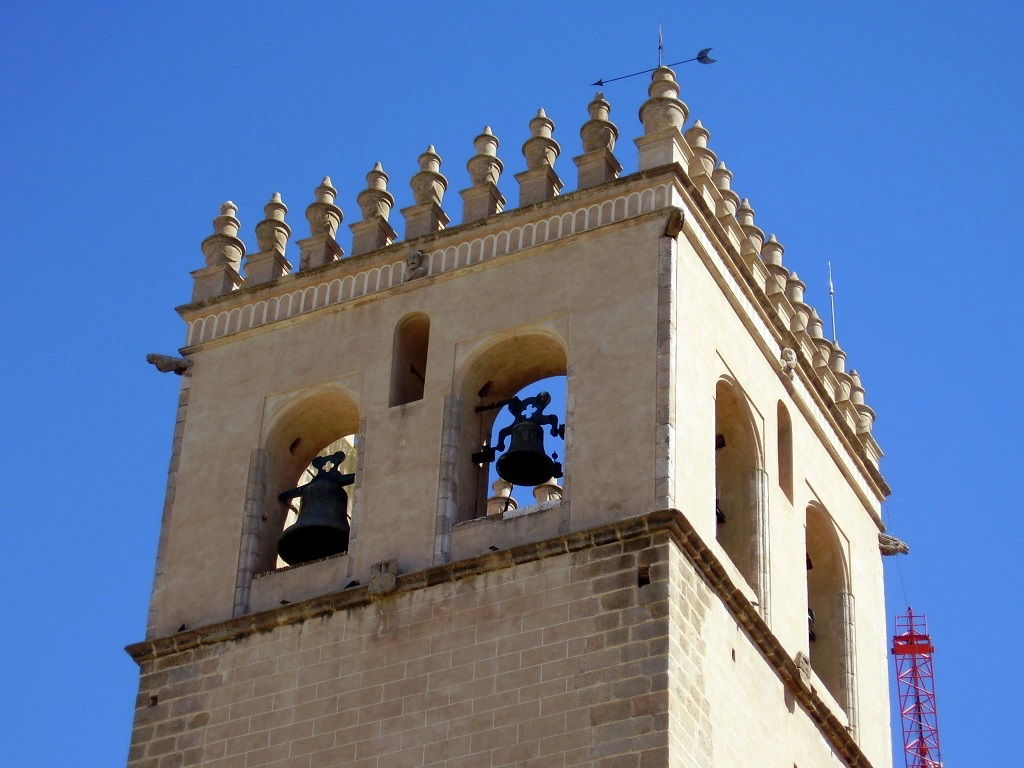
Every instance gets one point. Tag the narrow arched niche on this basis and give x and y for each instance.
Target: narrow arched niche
(829, 606)
(409, 358)
(737, 482)
(301, 433)
(494, 375)
(785, 451)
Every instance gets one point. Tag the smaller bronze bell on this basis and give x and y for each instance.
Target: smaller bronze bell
(525, 462)
(322, 529)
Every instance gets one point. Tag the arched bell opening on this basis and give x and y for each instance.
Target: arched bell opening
(504, 371)
(739, 496)
(829, 607)
(409, 358)
(530, 468)
(298, 447)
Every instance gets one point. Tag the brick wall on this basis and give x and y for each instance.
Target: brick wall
(624, 646)
(736, 697)
(558, 661)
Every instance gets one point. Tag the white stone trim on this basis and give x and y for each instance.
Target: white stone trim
(665, 374)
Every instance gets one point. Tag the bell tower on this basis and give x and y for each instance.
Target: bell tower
(371, 556)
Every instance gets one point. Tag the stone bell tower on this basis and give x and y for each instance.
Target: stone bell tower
(708, 592)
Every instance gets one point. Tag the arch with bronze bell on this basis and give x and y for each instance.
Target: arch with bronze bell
(321, 528)
(311, 460)
(525, 462)
(490, 393)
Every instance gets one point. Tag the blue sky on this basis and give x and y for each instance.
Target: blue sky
(884, 137)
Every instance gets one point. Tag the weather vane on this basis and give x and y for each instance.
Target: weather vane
(702, 57)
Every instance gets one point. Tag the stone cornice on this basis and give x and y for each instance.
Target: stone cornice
(443, 251)
(700, 556)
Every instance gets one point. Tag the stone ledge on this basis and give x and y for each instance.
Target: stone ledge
(664, 520)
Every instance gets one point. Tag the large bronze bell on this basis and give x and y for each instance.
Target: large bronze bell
(525, 462)
(322, 528)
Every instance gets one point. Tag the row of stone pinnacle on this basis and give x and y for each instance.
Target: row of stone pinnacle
(662, 115)
(482, 199)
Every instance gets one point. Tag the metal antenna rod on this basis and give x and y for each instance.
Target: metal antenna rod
(832, 301)
(661, 46)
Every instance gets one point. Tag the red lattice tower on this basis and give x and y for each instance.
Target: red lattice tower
(912, 649)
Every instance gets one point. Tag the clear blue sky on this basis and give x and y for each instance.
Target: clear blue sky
(885, 137)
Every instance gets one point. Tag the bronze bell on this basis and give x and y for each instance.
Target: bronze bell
(525, 462)
(322, 528)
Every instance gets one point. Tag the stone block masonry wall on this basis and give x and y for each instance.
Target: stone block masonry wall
(735, 696)
(541, 657)
(690, 730)
(172, 483)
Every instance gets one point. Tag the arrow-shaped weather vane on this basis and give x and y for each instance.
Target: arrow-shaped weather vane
(702, 57)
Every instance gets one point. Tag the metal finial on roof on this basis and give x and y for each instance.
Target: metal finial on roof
(832, 301)
(701, 57)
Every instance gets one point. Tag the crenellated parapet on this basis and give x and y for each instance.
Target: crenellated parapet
(663, 115)
(795, 288)
(375, 204)
(762, 259)
(867, 415)
(771, 255)
(444, 252)
(428, 187)
(703, 161)
(753, 236)
(324, 217)
(272, 234)
(598, 164)
(483, 198)
(728, 202)
(223, 252)
(677, 168)
(539, 182)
